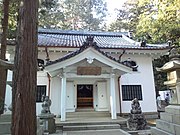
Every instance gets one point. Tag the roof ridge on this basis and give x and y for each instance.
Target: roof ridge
(81, 33)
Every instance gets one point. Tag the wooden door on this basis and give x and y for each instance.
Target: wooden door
(102, 96)
(84, 95)
(70, 97)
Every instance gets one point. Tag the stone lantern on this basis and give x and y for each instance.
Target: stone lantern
(169, 122)
(173, 75)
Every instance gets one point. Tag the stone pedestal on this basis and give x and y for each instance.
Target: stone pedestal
(169, 123)
(48, 122)
(136, 120)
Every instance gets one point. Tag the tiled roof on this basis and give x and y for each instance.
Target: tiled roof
(82, 48)
(70, 38)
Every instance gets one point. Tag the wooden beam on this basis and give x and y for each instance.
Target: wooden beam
(6, 64)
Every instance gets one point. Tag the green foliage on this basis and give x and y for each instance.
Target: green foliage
(162, 23)
(64, 14)
(50, 15)
(121, 22)
(13, 14)
(159, 24)
(12, 22)
(127, 17)
(155, 21)
(83, 14)
(72, 14)
(160, 77)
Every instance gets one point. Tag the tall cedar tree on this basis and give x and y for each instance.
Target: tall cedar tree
(25, 72)
(3, 70)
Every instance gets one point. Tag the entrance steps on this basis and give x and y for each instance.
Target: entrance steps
(92, 114)
(5, 124)
(90, 120)
(91, 127)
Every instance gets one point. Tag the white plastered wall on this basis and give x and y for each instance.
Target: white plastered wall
(55, 95)
(42, 79)
(8, 96)
(144, 77)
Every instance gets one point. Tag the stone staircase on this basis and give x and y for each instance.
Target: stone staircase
(90, 114)
(169, 123)
(90, 120)
(5, 124)
(95, 126)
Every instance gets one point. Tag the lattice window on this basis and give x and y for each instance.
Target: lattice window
(41, 90)
(129, 92)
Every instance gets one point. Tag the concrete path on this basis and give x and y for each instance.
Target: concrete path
(93, 132)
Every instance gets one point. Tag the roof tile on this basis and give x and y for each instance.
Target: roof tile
(70, 38)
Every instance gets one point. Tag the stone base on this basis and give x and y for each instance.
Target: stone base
(169, 122)
(39, 127)
(136, 122)
(48, 122)
(157, 131)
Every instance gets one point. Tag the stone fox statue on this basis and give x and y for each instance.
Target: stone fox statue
(46, 104)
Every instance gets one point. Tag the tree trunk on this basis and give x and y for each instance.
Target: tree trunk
(25, 71)
(3, 70)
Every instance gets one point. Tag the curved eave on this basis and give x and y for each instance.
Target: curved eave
(137, 48)
(169, 66)
(119, 47)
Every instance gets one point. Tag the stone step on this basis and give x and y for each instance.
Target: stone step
(157, 131)
(5, 128)
(5, 118)
(94, 132)
(121, 122)
(168, 127)
(173, 109)
(89, 114)
(172, 118)
(85, 110)
(91, 127)
(140, 132)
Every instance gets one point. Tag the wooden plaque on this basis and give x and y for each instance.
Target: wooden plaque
(88, 70)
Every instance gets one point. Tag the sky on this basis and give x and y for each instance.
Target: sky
(112, 5)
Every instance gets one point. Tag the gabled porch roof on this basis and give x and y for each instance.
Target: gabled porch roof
(90, 52)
